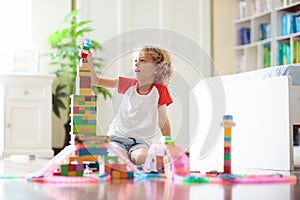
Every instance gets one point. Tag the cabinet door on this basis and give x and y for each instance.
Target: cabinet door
(24, 125)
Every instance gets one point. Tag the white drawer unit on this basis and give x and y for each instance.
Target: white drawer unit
(26, 115)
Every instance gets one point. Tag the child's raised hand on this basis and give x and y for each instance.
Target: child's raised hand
(89, 59)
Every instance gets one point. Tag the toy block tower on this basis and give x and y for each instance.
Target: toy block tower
(83, 103)
(227, 124)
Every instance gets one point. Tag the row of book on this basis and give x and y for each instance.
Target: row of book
(244, 36)
(296, 51)
(288, 54)
(290, 23)
(266, 55)
(257, 6)
(265, 31)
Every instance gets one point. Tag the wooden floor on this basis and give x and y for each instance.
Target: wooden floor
(14, 187)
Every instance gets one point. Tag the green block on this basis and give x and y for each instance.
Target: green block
(110, 159)
(64, 170)
(86, 128)
(227, 157)
(79, 173)
(93, 146)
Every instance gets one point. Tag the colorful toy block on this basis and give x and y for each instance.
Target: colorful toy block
(227, 124)
(71, 169)
(166, 140)
(82, 159)
(85, 49)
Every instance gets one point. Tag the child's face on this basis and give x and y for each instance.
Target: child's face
(144, 68)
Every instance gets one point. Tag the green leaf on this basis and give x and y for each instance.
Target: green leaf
(56, 111)
(60, 104)
(60, 87)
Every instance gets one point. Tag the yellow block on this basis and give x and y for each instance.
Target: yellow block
(91, 103)
(84, 73)
(84, 68)
(85, 91)
(92, 117)
(72, 173)
(116, 174)
(227, 132)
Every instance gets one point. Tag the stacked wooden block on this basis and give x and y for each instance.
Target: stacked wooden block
(71, 169)
(84, 82)
(227, 124)
(110, 165)
(89, 146)
(166, 140)
(83, 114)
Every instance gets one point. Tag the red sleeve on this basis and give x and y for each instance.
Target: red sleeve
(164, 95)
(125, 83)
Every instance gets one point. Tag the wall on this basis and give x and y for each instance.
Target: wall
(47, 16)
(223, 36)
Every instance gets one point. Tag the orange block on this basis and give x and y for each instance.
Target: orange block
(107, 168)
(123, 175)
(81, 159)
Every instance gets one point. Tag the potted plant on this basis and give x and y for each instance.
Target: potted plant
(64, 44)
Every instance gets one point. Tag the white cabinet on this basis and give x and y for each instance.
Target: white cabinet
(25, 115)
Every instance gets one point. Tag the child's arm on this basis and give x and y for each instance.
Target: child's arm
(163, 120)
(100, 82)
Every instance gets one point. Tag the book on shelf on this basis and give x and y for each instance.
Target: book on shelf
(243, 36)
(241, 63)
(286, 2)
(265, 31)
(296, 51)
(255, 7)
(297, 23)
(284, 53)
(242, 9)
(266, 55)
(290, 23)
(267, 5)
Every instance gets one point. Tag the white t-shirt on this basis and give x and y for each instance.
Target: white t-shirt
(137, 116)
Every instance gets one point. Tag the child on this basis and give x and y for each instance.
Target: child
(142, 116)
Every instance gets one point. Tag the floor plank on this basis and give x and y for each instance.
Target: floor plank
(20, 188)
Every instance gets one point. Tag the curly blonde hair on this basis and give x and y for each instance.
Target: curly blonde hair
(162, 59)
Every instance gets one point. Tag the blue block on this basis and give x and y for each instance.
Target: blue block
(130, 174)
(92, 151)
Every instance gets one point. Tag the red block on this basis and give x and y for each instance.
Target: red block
(227, 149)
(71, 167)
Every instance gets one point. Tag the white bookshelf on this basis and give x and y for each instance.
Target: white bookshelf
(251, 14)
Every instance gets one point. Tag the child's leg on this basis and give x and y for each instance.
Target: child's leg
(114, 146)
(138, 156)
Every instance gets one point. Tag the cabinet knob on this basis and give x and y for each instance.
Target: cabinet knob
(26, 92)
(7, 125)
